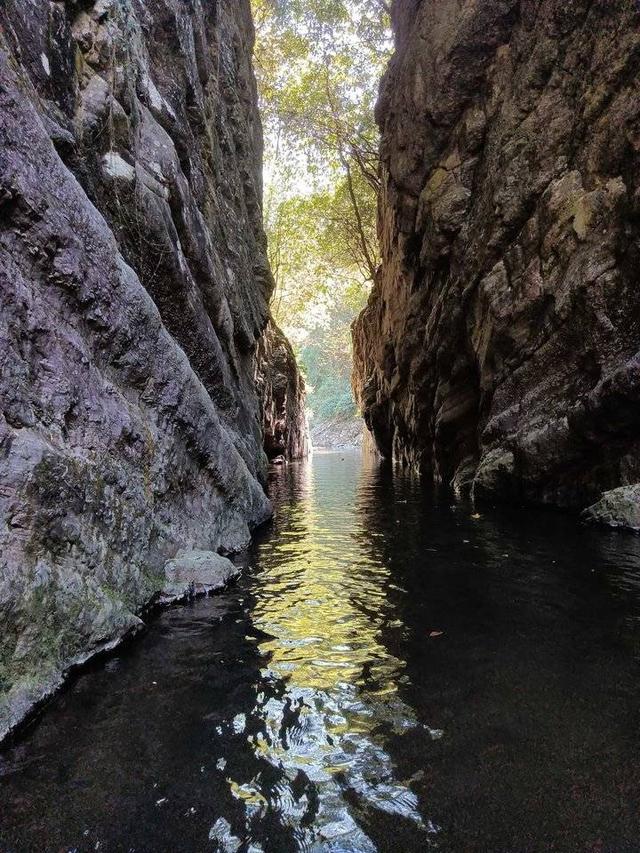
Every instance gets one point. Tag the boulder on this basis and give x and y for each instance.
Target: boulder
(617, 508)
(193, 573)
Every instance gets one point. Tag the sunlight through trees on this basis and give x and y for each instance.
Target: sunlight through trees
(318, 64)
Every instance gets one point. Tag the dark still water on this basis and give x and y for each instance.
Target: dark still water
(392, 674)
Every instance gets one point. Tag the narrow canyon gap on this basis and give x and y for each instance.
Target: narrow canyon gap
(499, 349)
(135, 291)
(397, 667)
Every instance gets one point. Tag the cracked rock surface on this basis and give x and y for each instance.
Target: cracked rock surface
(499, 351)
(135, 292)
(282, 394)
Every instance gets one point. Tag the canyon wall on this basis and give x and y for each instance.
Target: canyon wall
(282, 393)
(499, 351)
(135, 290)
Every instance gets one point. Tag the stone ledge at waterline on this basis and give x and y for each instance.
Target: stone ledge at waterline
(190, 574)
(617, 508)
(193, 573)
(135, 290)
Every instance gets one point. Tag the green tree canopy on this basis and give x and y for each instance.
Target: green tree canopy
(318, 64)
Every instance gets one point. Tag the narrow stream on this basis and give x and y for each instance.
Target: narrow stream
(393, 673)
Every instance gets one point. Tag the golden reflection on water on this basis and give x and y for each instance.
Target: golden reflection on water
(328, 684)
(323, 597)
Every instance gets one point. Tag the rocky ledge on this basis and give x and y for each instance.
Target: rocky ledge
(499, 351)
(135, 292)
(338, 433)
(619, 508)
(193, 573)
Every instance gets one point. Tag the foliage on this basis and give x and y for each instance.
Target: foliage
(318, 64)
(326, 357)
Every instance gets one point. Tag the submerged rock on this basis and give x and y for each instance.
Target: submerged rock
(500, 347)
(135, 290)
(617, 508)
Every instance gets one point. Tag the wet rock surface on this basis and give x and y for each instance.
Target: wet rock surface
(135, 290)
(617, 508)
(499, 349)
(193, 573)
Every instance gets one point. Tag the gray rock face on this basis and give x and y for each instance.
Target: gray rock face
(282, 394)
(500, 348)
(193, 573)
(135, 288)
(617, 508)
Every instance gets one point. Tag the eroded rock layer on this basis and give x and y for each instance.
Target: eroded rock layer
(282, 395)
(135, 289)
(500, 347)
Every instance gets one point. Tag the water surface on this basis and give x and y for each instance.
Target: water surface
(393, 673)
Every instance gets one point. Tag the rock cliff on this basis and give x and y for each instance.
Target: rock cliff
(500, 348)
(135, 291)
(282, 394)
